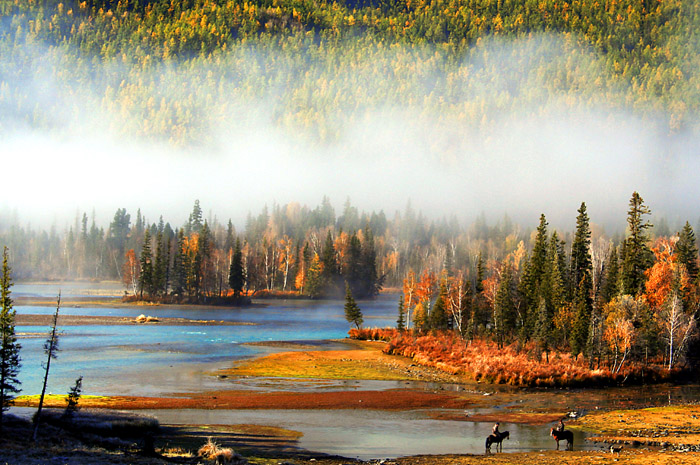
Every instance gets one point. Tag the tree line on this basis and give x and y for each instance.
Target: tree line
(635, 301)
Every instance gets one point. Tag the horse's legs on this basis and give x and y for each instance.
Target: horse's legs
(557, 443)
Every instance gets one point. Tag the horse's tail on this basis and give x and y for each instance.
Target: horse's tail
(488, 441)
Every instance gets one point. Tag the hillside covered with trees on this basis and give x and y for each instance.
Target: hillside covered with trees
(179, 70)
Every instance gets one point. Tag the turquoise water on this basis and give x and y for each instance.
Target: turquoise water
(159, 359)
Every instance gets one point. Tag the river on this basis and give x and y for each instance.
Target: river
(158, 360)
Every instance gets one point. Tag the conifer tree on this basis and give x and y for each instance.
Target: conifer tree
(353, 314)
(611, 278)
(146, 275)
(438, 318)
(179, 265)
(372, 284)
(236, 274)
(329, 268)
(10, 361)
(637, 257)
(581, 261)
(195, 224)
(533, 278)
(159, 268)
(583, 308)
(504, 317)
(687, 251)
(51, 350)
(401, 321)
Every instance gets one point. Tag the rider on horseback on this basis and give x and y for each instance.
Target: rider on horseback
(495, 429)
(560, 426)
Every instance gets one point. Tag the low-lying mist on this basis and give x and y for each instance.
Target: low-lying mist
(505, 130)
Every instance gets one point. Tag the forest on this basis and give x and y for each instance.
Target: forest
(173, 70)
(633, 298)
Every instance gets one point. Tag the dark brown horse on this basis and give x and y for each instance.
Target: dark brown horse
(496, 438)
(563, 435)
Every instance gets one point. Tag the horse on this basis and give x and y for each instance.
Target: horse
(562, 435)
(496, 438)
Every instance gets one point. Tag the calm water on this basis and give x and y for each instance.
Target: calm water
(158, 360)
(113, 359)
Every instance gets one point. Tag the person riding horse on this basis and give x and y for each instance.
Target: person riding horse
(496, 437)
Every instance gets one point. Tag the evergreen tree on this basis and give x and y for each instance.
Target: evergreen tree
(583, 308)
(687, 251)
(179, 265)
(329, 268)
(372, 284)
(353, 314)
(637, 257)
(9, 347)
(438, 314)
(195, 223)
(51, 350)
(543, 327)
(236, 275)
(159, 268)
(480, 275)
(533, 277)
(353, 266)
(146, 276)
(581, 272)
(202, 266)
(73, 398)
(504, 314)
(610, 278)
(401, 321)
(581, 262)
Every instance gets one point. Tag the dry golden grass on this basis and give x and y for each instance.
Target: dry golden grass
(673, 425)
(365, 361)
(484, 361)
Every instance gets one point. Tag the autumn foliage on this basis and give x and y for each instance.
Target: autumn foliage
(482, 360)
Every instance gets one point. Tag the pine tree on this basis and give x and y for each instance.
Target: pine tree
(583, 308)
(371, 283)
(159, 268)
(581, 261)
(533, 278)
(9, 348)
(73, 398)
(353, 314)
(236, 274)
(401, 321)
(146, 276)
(438, 314)
(480, 275)
(611, 278)
(51, 350)
(195, 224)
(637, 257)
(504, 315)
(687, 251)
(330, 274)
(179, 275)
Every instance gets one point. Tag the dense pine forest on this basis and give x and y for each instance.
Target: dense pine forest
(181, 70)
